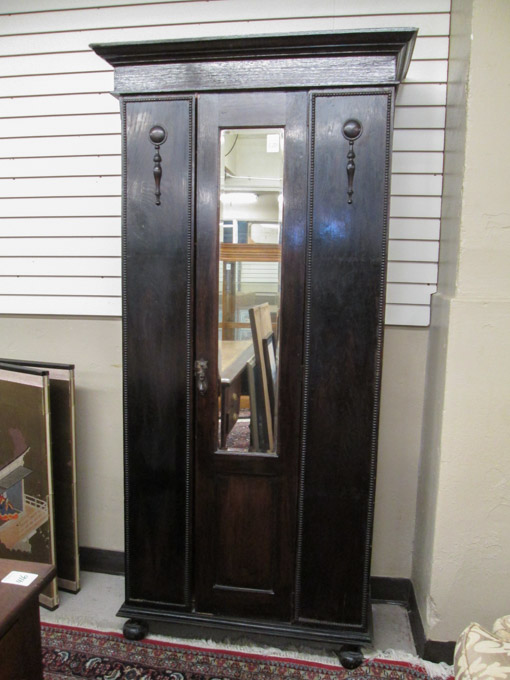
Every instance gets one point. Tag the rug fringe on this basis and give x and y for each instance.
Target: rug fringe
(442, 670)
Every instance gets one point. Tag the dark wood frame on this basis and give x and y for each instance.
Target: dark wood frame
(260, 321)
(360, 64)
(269, 349)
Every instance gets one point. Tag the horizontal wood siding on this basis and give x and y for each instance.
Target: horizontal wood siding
(60, 139)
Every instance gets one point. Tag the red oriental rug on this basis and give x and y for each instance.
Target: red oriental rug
(71, 653)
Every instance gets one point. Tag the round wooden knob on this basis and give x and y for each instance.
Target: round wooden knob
(157, 134)
(352, 129)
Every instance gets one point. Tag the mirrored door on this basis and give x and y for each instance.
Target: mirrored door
(249, 278)
(251, 214)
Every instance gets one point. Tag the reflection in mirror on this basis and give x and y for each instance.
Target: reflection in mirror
(250, 231)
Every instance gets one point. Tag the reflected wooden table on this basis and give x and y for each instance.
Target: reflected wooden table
(20, 628)
(234, 356)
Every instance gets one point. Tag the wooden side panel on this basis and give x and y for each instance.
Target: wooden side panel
(344, 324)
(158, 348)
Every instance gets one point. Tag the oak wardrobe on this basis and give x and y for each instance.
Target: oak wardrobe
(256, 175)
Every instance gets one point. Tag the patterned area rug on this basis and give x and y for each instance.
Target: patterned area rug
(70, 653)
(239, 437)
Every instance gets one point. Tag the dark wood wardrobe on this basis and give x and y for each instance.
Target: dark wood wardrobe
(272, 541)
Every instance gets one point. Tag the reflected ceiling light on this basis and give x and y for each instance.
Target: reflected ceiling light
(238, 198)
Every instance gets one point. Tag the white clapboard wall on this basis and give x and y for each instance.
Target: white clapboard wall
(60, 139)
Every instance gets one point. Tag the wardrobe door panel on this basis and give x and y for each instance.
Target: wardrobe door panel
(245, 502)
(245, 540)
(350, 138)
(157, 297)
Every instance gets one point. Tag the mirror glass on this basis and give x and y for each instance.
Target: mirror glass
(250, 231)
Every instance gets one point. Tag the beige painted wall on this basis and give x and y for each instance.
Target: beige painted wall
(463, 538)
(402, 392)
(428, 484)
(94, 345)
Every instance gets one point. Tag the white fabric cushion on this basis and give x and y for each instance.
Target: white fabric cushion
(501, 628)
(482, 655)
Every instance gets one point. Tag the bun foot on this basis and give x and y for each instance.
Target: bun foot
(350, 657)
(135, 630)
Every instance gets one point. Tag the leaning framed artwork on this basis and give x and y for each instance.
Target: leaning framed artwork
(63, 451)
(27, 529)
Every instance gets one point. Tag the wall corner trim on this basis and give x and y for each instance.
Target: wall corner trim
(401, 591)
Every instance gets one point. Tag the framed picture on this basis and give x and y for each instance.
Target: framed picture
(271, 372)
(27, 530)
(255, 407)
(260, 322)
(63, 451)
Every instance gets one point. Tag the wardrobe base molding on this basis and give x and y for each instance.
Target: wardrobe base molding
(200, 626)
